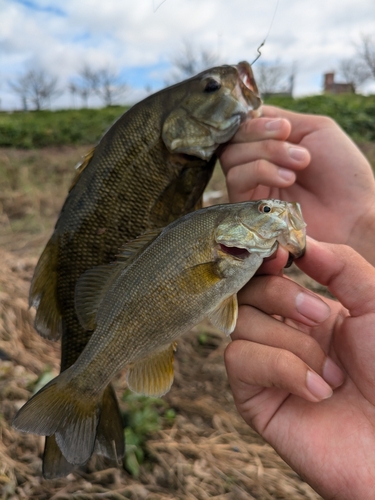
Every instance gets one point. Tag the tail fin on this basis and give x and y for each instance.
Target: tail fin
(62, 410)
(54, 462)
(109, 439)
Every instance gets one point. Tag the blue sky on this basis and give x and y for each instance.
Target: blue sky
(139, 38)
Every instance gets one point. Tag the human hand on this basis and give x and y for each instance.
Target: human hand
(279, 371)
(309, 159)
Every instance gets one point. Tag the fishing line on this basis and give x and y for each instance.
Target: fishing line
(269, 30)
(160, 4)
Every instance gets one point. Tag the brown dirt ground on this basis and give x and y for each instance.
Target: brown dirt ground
(207, 452)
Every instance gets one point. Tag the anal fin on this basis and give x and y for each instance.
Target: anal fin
(153, 375)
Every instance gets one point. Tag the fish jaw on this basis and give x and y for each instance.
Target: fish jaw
(294, 238)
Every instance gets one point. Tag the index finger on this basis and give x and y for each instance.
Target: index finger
(348, 276)
(302, 124)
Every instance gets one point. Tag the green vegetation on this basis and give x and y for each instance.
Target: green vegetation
(143, 417)
(36, 129)
(354, 113)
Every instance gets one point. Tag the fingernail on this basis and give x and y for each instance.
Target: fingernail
(316, 385)
(273, 124)
(312, 307)
(298, 154)
(286, 174)
(332, 373)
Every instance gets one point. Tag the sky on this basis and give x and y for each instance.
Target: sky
(140, 38)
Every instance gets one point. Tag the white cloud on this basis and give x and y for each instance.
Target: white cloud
(61, 35)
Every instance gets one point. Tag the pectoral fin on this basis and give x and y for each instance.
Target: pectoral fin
(81, 167)
(153, 375)
(225, 315)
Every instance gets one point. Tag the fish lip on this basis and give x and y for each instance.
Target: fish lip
(246, 75)
(249, 88)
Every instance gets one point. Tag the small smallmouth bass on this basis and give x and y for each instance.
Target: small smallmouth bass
(163, 284)
(150, 168)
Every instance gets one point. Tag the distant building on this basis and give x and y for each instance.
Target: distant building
(332, 87)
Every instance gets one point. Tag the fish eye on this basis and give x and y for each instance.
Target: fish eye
(264, 208)
(212, 85)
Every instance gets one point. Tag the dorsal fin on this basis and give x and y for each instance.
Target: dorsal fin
(81, 167)
(133, 248)
(93, 285)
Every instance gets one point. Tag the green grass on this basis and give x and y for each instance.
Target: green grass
(36, 129)
(354, 113)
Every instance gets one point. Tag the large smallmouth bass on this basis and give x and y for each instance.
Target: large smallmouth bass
(150, 168)
(162, 284)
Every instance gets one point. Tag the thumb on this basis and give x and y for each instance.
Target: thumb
(348, 276)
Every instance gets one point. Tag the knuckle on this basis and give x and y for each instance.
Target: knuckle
(269, 147)
(273, 287)
(259, 167)
(324, 121)
(232, 353)
(232, 177)
(284, 360)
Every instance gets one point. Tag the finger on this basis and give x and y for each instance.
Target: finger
(274, 264)
(258, 129)
(284, 154)
(301, 123)
(255, 326)
(243, 179)
(275, 295)
(252, 367)
(347, 275)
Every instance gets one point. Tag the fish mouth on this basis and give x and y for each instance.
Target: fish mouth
(236, 252)
(249, 88)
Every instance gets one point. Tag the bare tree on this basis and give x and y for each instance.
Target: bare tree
(108, 86)
(274, 78)
(103, 82)
(84, 84)
(366, 52)
(189, 61)
(354, 71)
(35, 86)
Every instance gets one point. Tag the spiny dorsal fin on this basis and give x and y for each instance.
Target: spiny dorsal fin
(153, 375)
(93, 285)
(225, 315)
(43, 293)
(133, 248)
(81, 167)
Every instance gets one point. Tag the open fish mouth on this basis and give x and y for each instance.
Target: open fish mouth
(237, 252)
(249, 88)
(247, 77)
